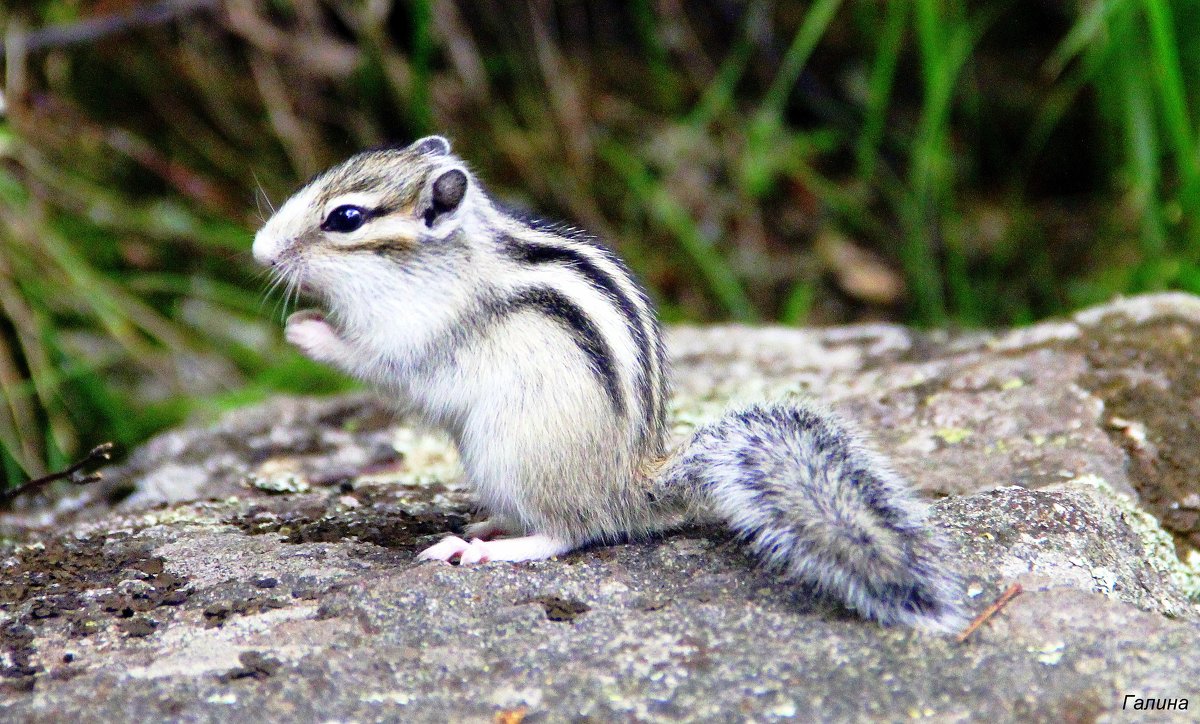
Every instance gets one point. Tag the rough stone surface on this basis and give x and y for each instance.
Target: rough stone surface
(263, 568)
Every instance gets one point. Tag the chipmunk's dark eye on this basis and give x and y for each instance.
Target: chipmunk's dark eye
(344, 219)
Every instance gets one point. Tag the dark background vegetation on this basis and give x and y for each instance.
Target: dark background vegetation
(924, 161)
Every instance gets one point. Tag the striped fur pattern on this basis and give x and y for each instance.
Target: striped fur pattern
(533, 346)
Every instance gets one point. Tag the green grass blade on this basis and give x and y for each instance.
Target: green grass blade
(667, 213)
(816, 22)
(1172, 99)
(1088, 30)
(718, 96)
(883, 77)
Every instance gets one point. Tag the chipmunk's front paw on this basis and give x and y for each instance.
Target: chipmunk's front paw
(308, 331)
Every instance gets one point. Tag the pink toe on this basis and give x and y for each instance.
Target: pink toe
(445, 549)
(476, 552)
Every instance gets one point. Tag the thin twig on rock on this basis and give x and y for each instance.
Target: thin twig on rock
(1009, 594)
(75, 473)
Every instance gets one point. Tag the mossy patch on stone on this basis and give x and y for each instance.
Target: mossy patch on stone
(1161, 551)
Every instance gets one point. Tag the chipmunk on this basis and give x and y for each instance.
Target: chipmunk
(535, 348)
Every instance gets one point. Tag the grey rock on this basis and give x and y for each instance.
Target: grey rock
(1060, 457)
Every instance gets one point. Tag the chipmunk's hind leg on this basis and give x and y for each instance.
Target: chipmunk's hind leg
(525, 548)
(493, 527)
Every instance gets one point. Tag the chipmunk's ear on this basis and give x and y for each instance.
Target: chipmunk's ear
(447, 193)
(431, 146)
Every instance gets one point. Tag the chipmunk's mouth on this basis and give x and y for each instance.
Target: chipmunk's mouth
(307, 288)
(290, 280)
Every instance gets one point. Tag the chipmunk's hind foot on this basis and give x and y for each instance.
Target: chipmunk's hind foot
(525, 548)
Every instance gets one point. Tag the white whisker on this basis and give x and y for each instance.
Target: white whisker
(265, 197)
(272, 287)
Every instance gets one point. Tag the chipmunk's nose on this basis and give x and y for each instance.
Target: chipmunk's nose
(267, 247)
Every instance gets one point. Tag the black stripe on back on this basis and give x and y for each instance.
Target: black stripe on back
(527, 252)
(587, 337)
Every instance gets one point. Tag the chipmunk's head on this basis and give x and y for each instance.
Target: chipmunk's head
(376, 212)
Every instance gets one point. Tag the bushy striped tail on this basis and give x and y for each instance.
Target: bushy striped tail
(813, 502)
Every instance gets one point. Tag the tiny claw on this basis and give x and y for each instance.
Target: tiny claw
(476, 553)
(302, 315)
(485, 530)
(444, 550)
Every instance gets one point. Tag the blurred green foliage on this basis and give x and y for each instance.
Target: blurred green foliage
(930, 162)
